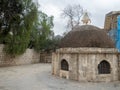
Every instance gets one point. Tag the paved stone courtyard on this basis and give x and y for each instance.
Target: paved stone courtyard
(38, 77)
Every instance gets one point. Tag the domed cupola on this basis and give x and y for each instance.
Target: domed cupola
(87, 36)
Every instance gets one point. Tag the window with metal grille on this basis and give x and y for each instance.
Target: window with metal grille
(64, 65)
(104, 67)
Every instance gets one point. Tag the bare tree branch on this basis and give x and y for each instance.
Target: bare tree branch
(73, 14)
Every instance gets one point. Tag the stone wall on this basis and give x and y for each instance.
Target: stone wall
(83, 63)
(111, 20)
(29, 57)
(88, 67)
(45, 57)
(119, 65)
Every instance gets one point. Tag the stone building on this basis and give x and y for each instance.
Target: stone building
(111, 20)
(111, 25)
(86, 54)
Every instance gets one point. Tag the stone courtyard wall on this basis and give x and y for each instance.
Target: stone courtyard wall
(29, 57)
(45, 57)
(83, 63)
(119, 65)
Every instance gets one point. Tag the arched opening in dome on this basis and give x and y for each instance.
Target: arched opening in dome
(104, 67)
(64, 65)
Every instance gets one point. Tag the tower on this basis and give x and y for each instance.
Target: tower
(112, 26)
(111, 20)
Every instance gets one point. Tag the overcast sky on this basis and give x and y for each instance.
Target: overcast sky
(97, 8)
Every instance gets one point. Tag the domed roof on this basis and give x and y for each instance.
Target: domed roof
(87, 36)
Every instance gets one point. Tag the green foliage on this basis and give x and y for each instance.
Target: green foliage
(42, 32)
(22, 26)
(17, 17)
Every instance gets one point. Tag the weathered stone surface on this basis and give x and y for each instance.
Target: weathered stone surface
(87, 50)
(45, 57)
(83, 63)
(111, 20)
(29, 57)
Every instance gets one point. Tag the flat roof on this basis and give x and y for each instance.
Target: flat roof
(113, 13)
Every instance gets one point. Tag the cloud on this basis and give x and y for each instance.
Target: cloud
(97, 8)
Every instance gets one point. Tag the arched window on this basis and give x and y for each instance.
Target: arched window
(64, 65)
(104, 67)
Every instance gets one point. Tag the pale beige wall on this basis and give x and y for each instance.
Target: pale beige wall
(88, 67)
(83, 63)
(56, 63)
(73, 64)
(119, 65)
(45, 57)
(29, 57)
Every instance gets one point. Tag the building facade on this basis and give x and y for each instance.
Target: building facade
(94, 59)
(86, 64)
(111, 20)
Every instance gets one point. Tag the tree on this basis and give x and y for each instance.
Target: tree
(9, 12)
(73, 14)
(42, 35)
(18, 18)
(52, 44)
(57, 40)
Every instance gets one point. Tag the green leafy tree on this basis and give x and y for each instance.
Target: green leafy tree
(52, 44)
(18, 18)
(42, 32)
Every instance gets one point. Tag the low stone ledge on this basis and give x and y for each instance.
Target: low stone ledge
(87, 50)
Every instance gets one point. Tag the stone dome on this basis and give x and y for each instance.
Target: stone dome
(86, 36)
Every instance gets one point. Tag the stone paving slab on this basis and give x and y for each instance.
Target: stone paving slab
(38, 77)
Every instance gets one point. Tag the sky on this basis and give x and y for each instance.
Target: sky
(97, 9)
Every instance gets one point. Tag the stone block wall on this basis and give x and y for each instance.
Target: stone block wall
(119, 65)
(88, 67)
(45, 57)
(56, 64)
(29, 57)
(83, 63)
(111, 20)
